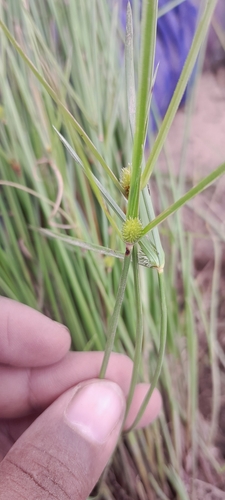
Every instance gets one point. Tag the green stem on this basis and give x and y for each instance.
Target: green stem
(213, 327)
(139, 329)
(129, 69)
(186, 197)
(163, 332)
(180, 88)
(148, 37)
(115, 315)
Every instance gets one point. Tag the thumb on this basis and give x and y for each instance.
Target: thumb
(63, 453)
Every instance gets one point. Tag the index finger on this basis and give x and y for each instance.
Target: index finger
(28, 338)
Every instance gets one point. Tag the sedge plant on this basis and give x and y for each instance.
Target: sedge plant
(77, 210)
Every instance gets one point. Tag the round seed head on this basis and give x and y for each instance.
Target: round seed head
(132, 230)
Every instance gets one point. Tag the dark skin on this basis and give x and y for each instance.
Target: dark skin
(59, 424)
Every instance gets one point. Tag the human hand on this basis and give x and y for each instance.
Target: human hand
(59, 423)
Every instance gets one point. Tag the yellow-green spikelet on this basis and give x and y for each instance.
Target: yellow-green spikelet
(132, 230)
(125, 179)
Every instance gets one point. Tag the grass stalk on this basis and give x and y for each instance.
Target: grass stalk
(212, 344)
(163, 330)
(148, 38)
(129, 70)
(139, 329)
(113, 322)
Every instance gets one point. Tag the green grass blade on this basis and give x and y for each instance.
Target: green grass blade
(187, 197)
(106, 195)
(129, 69)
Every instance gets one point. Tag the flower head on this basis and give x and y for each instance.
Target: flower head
(125, 179)
(132, 230)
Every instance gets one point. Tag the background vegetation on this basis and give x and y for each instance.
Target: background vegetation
(78, 48)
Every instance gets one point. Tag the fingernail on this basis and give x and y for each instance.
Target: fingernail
(96, 409)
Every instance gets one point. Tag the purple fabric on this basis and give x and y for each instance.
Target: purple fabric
(175, 32)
